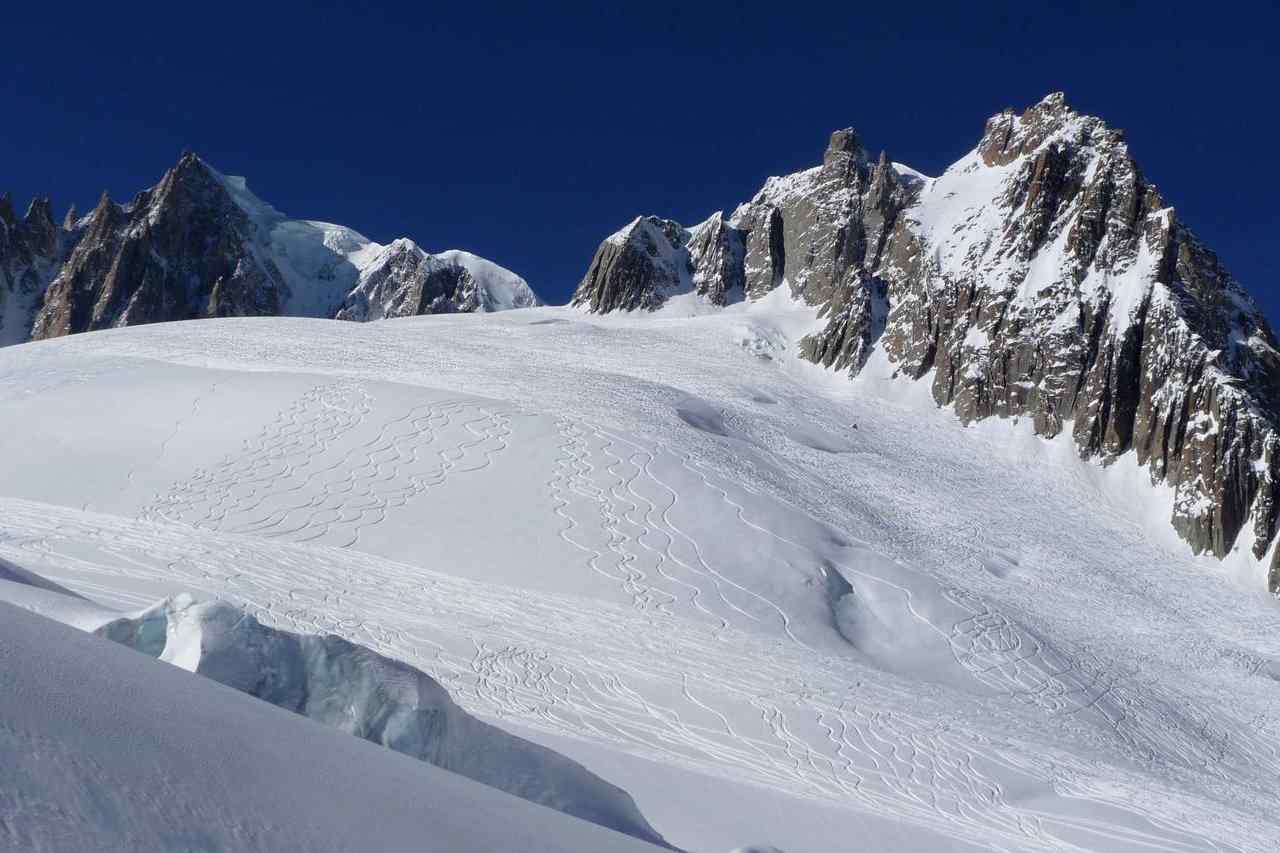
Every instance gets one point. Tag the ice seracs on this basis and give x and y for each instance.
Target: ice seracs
(343, 686)
(106, 749)
(202, 244)
(1041, 276)
(348, 687)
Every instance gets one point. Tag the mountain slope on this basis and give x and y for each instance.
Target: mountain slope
(1043, 277)
(775, 605)
(108, 750)
(201, 244)
(343, 686)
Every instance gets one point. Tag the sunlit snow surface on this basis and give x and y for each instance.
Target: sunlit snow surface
(105, 749)
(775, 605)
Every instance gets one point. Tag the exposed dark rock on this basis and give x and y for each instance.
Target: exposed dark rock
(1042, 277)
(199, 244)
(31, 248)
(178, 251)
(405, 281)
(638, 267)
(766, 256)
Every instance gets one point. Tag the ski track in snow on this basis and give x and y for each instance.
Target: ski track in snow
(296, 482)
(653, 685)
(695, 662)
(702, 673)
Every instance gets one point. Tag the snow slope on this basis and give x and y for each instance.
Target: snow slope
(343, 686)
(105, 749)
(824, 611)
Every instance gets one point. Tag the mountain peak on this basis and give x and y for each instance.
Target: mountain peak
(1009, 135)
(39, 212)
(200, 244)
(189, 159)
(190, 170)
(844, 147)
(1050, 282)
(1053, 101)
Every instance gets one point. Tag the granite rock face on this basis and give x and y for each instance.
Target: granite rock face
(653, 259)
(405, 281)
(177, 251)
(1041, 276)
(31, 250)
(200, 244)
(637, 267)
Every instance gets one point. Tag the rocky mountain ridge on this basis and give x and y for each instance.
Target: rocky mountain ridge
(200, 244)
(1041, 276)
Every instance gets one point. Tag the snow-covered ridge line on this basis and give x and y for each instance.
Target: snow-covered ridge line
(202, 244)
(1041, 276)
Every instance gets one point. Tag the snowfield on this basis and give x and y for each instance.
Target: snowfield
(776, 606)
(105, 749)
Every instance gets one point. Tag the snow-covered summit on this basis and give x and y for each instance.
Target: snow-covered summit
(202, 244)
(326, 264)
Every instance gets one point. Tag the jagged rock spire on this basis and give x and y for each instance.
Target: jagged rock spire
(39, 212)
(1059, 286)
(199, 244)
(844, 141)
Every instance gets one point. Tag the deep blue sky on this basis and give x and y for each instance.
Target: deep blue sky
(528, 135)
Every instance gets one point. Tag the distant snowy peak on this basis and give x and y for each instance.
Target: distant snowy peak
(1039, 276)
(369, 281)
(202, 244)
(497, 288)
(401, 280)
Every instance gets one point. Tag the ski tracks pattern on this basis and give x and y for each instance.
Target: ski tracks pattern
(704, 671)
(732, 704)
(313, 475)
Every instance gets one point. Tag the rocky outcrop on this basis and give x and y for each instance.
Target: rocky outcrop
(637, 267)
(1043, 277)
(404, 281)
(200, 244)
(180, 250)
(653, 259)
(31, 249)
(717, 254)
